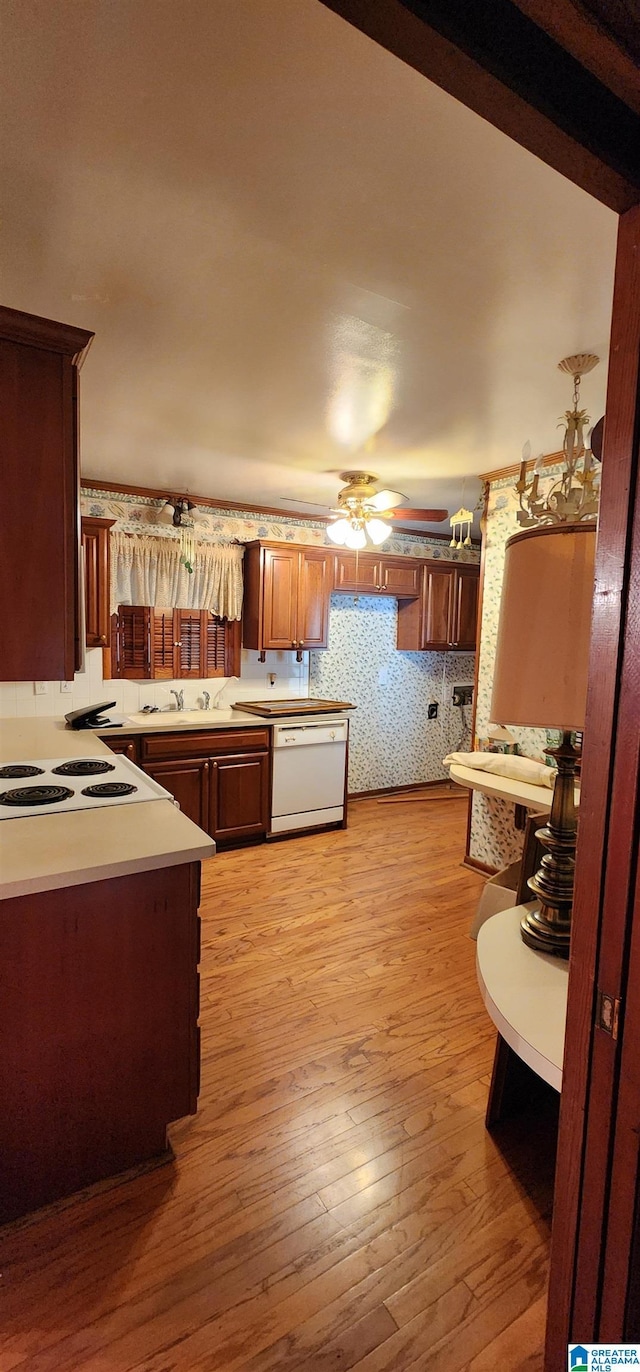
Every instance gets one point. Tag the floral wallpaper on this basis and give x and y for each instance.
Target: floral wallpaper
(138, 514)
(494, 839)
(392, 742)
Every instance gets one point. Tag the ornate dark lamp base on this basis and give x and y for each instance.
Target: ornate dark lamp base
(548, 929)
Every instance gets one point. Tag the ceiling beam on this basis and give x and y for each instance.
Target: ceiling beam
(494, 59)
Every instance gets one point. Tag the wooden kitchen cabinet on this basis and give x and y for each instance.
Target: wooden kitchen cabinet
(220, 778)
(39, 577)
(188, 782)
(166, 644)
(99, 1030)
(375, 574)
(444, 617)
(126, 747)
(238, 796)
(97, 610)
(287, 590)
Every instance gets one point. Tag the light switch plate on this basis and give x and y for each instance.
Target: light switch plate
(66, 687)
(40, 688)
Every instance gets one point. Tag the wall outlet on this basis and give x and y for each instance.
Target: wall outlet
(432, 710)
(462, 695)
(40, 688)
(66, 687)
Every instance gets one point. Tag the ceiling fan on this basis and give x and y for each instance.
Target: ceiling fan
(362, 510)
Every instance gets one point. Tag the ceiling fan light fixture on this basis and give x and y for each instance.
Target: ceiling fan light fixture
(378, 531)
(338, 532)
(356, 538)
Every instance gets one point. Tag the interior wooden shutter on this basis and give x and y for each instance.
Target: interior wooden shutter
(162, 644)
(191, 632)
(132, 642)
(215, 663)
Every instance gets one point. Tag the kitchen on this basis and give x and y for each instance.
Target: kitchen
(382, 652)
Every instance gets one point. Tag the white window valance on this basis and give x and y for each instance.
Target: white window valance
(147, 570)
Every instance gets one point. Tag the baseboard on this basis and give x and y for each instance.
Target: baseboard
(410, 786)
(477, 866)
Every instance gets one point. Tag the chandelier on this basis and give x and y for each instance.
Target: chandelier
(573, 497)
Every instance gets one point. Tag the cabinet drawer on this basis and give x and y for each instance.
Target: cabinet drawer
(201, 744)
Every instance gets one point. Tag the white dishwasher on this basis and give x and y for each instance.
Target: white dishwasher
(309, 764)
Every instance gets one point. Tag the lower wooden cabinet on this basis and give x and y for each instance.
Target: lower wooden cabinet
(238, 796)
(220, 778)
(123, 746)
(188, 782)
(99, 1025)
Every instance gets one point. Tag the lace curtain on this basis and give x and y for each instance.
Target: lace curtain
(148, 571)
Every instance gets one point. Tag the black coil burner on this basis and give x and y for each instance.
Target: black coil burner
(36, 795)
(108, 789)
(20, 769)
(83, 767)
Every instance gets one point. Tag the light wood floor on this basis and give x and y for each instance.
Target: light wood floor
(337, 1202)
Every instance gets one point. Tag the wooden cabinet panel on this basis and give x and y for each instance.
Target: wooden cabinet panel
(445, 615)
(202, 743)
(279, 629)
(400, 576)
(465, 615)
(357, 573)
(188, 782)
(287, 589)
(95, 546)
(127, 746)
(39, 587)
(438, 608)
(314, 591)
(239, 796)
(99, 1030)
(131, 643)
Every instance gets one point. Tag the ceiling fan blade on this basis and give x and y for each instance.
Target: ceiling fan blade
(384, 500)
(419, 516)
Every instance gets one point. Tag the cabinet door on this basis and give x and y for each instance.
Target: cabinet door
(465, 612)
(163, 650)
(95, 545)
(190, 630)
(125, 746)
(438, 607)
(280, 595)
(357, 572)
(400, 576)
(239, 796)
(39, 573)
(314, 591)
(188, 782)
(131, 643)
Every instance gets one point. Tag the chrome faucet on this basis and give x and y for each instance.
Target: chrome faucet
(206, 699)
(179, 695)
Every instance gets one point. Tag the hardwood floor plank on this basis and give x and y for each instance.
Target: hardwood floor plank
(337, 1202)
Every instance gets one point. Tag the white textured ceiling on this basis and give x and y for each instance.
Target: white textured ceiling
(286, 241)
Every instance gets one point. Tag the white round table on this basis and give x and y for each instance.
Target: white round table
(525, 993)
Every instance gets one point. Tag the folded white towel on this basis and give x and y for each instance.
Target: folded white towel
(506, 765)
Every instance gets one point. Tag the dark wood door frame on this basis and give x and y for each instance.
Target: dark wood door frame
(482, 55)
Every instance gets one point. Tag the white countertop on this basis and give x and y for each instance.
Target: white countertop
(537, 798)
(525, 993)
(179, 721)
(45, 852)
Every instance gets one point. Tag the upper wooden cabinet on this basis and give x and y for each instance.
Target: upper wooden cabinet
(95, 547)
(39, 580)
(147, 642)
(287, 589)
(444, 617)
(375, 574)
